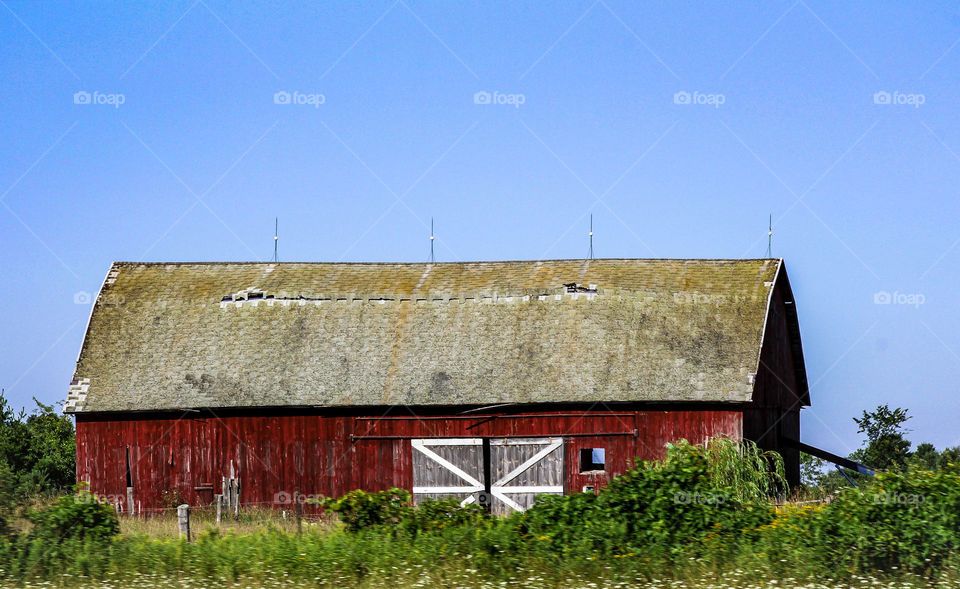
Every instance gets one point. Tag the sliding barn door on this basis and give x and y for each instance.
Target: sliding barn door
(521, 469)
(450, 467)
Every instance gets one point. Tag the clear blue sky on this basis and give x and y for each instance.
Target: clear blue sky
(783, 119)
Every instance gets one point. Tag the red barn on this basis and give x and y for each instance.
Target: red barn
(508, 378)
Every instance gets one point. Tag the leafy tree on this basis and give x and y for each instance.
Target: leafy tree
(811, 470)
(53, 452)
(14, 438)
(38, 450)
(950, 458)
(8, 498)
(818, 476)
(925, 457)
(887, 447)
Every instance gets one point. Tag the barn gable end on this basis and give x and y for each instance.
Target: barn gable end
(781, 386)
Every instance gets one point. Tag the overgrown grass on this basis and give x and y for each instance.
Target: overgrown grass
(251, 520)
(704, 515)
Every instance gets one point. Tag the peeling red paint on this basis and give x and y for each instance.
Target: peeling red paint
(316, 454)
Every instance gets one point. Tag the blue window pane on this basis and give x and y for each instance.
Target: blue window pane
(598, 456)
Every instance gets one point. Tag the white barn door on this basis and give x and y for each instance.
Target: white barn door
(449, 467)
(520, 469)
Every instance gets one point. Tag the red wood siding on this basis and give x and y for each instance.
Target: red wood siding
(330, 455)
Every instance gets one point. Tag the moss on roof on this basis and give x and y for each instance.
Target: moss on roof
(196, 335)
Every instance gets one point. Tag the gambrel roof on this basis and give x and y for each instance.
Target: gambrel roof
(216, 335)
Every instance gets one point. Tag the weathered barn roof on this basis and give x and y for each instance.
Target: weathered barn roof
(215, 335)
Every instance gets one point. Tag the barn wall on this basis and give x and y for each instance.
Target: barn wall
(775, 411)
(314, 454)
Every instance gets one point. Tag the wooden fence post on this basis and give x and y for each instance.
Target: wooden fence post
(236, 497)
(218, 501)
(298, 506)
(183, 521)
(130, 511)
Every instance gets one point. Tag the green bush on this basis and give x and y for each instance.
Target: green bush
(74, 517)
(433, 515)
(899, 522)
(361, 509)
(660, 509)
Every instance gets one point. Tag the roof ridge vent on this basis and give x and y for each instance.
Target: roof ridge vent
(577, 287)
(247, 294)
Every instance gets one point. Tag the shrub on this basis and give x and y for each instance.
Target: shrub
(437, 514)
(901, 522)
(74, 517)
(750, 473)
(698, 494)
(361, 509)
(170, 498)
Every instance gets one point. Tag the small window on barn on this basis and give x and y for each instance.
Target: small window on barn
(592, 460)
